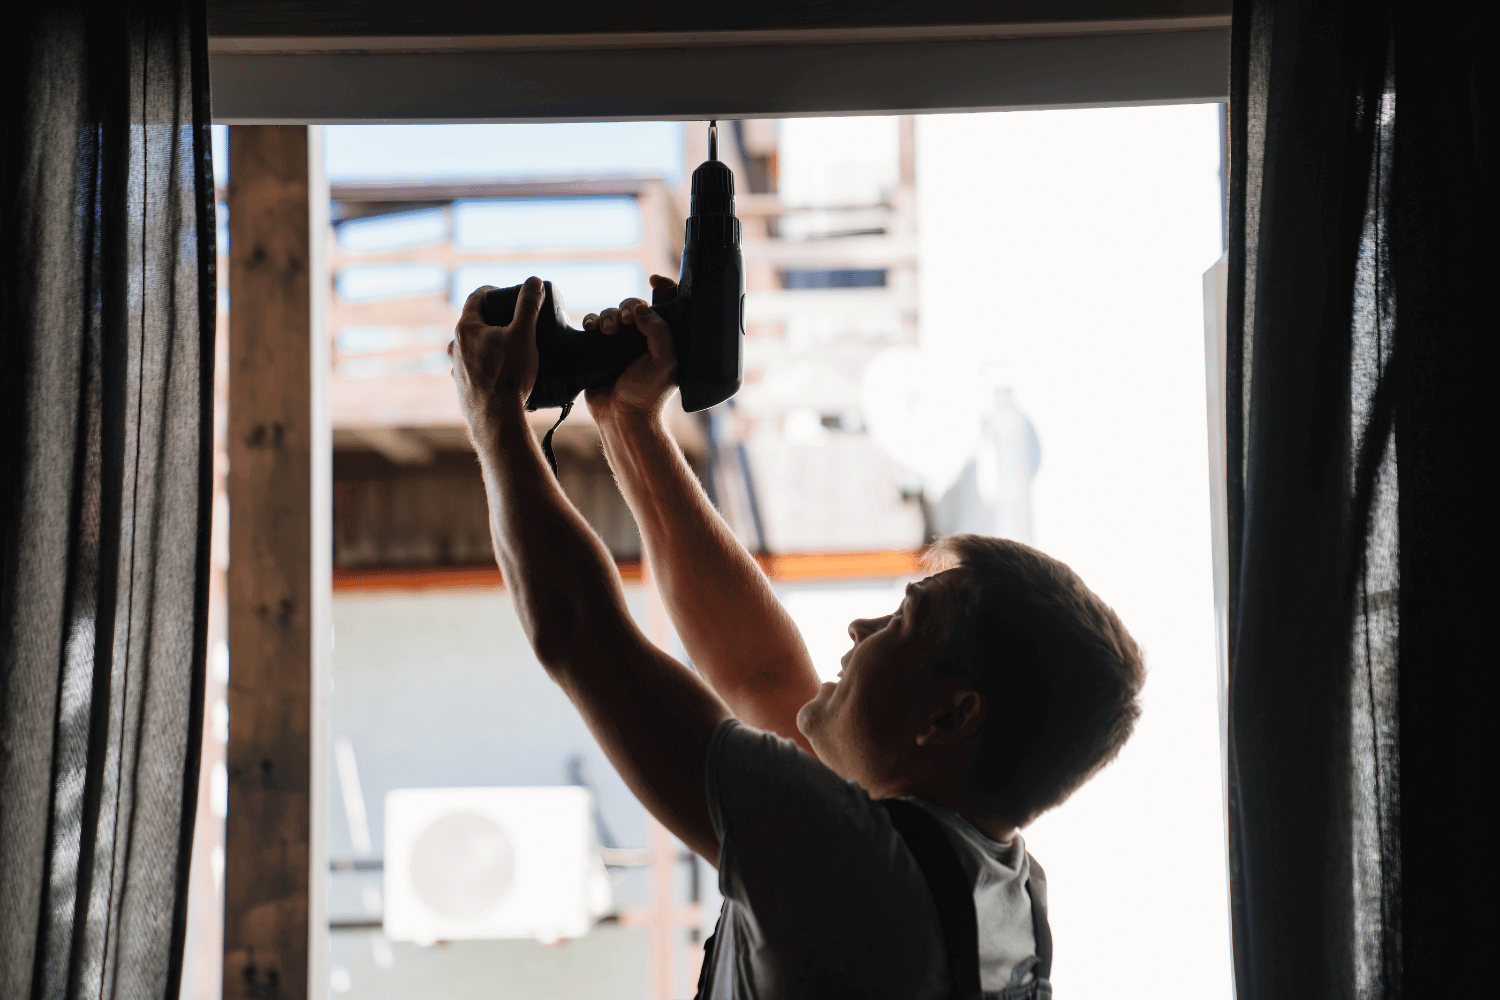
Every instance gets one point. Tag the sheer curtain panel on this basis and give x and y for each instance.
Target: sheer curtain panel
(106, 353)
(1361, 263)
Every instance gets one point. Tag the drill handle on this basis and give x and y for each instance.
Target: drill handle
(570, 360)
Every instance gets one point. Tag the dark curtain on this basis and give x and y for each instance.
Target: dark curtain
(1361, 247)
(106, 355)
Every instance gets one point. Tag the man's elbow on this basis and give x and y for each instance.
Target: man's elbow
(552, 626)
(573, 621)
(788, 678)
(570, 644)
(558, 650)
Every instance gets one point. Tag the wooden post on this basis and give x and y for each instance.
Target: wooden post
(664, 929)
(279, 471)
(665, 917)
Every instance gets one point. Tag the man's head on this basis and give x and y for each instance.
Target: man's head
(1001, 677)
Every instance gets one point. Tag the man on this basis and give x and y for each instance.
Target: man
(998, 686)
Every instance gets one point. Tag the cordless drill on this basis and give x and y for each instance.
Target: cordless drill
(706, 314)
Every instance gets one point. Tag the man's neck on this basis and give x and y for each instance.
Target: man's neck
(996, 828)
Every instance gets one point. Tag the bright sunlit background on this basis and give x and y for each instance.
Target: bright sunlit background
(1055, 263)
(1062, 255)
(1063, 251)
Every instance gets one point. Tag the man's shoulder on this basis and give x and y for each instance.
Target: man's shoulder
(753, 776)
(822, 893)
(784, 817)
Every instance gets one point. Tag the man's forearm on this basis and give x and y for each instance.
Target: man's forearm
(554, 565)
(734, 629)
(651, 715)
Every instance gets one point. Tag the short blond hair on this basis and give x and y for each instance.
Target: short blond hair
(1060, 674)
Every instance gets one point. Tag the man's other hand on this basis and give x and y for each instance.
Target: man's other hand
(646, 385)
(495, 364)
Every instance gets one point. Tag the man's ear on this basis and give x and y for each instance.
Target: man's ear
(959, 720)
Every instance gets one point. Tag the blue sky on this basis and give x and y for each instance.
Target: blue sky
(456, 152)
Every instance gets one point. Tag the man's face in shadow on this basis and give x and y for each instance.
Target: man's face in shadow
(865, 726)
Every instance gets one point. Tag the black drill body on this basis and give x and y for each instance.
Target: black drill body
(706, 313)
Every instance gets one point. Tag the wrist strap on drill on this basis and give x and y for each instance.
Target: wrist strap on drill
(547, 440)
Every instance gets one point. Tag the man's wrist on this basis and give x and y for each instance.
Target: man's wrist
(501, 426)
(630, 421)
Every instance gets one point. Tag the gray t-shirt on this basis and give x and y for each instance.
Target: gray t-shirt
(821, 897)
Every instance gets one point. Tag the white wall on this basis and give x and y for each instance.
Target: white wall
(441, 689)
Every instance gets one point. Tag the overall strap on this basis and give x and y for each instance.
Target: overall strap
(710, 950)
(950, 890)
(1041, 929)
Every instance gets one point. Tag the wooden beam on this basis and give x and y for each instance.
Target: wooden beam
(444, 191)
(278, 586)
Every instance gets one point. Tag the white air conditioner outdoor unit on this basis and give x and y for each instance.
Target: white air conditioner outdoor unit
(464, 863)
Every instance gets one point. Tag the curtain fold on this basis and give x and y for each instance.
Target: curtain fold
(1444, 260)
(1361, 241)
(107, 302)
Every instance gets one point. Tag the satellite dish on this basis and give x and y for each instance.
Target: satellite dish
(926, 414)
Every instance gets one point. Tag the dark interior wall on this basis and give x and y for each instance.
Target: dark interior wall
(406, 516)
(287, 18)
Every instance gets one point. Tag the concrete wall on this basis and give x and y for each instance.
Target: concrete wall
(439, 688)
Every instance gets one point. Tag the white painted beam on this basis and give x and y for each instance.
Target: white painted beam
(724, 81)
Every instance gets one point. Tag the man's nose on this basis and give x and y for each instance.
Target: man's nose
(861, 627)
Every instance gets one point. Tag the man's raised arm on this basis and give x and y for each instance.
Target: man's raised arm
(734, 629)
(653, 717)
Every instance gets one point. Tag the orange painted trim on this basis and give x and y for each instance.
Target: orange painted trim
(423, 578)
(792, 566)
(383, 578)
(839, 565)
